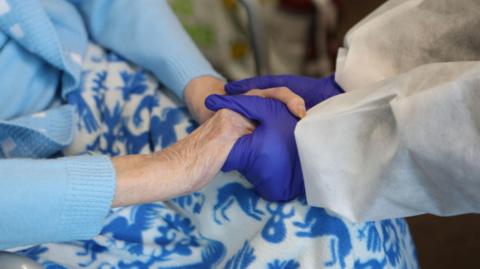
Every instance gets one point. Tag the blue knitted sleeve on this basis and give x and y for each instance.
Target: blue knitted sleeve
(147, 33)
(54, 200)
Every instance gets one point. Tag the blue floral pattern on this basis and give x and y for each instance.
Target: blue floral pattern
(123, 110)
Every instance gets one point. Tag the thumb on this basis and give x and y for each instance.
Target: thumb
(252, 107)
(261, 82)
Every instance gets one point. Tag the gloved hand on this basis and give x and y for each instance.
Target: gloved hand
(268, 157)
(312, 90)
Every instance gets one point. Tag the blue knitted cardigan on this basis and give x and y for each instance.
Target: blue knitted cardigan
(42, 43)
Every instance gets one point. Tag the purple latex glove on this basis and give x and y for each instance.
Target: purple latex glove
(312, 90)
(268, 157)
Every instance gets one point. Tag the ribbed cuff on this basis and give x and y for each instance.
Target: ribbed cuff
(182, 71)
(40, 137)
(89, 195)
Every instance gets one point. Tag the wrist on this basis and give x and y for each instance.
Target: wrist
(132, 171)
(146, 178)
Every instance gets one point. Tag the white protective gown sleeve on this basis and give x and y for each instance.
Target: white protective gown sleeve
(405, 138)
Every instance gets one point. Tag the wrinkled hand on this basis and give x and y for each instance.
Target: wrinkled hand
(184, 167)
(201, 154)
(311, 90)
(268, 158)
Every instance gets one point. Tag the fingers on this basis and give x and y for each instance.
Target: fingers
(294, 102)
(251, 107)
(274, 87)
(261, 82)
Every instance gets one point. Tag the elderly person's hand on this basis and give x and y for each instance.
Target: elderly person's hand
(199, 88)
(197, 91)
(184, 167)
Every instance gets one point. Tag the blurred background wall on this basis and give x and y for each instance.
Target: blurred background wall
(302, 37)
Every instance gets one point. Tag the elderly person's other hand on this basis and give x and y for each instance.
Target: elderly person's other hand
(199, 88)
(184, 167)
(197, 91)
(281, 87)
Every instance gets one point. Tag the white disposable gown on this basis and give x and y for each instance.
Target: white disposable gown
(405, 137)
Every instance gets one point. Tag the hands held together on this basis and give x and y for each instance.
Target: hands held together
(268, 156)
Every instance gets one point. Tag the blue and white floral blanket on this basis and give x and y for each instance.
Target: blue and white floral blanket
(123, 110)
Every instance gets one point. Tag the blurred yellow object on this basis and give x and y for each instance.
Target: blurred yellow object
(230, 4)
(238, 50)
